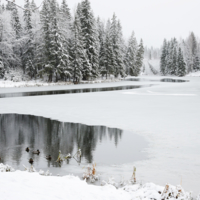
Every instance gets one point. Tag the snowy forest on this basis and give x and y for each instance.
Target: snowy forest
(52, 42)
(177, 58)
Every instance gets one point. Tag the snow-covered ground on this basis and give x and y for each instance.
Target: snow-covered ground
(166, 114)
(24, 185)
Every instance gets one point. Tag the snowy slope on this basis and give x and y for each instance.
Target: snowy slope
(154, 63)
(23, 185)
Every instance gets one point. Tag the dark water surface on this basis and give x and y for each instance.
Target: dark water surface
(106, 146)
(70, 91)
(169, 80)
(88, 90)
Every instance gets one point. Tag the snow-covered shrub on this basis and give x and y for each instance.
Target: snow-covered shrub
(111, 181)
(6, 168)
(198, 197)
(31, 169)
(90, 173)
(172, 192)
(152, 191)
(17, 79)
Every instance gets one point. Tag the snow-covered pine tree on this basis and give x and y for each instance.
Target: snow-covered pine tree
(139, 58)
(7, 36)
(116, 35)
(65, 21)
(109, 54)
(187, 54)
(181, 66)
(131, 55)
(33, 6)
(174, 56)
(9, 5)
(59, 58)
(121, 56)
(196, 64)
(192, 43)
(90, 38)
(16, 22)
(44, 49)
(174, 61)
(76, 50)
(64, 9)
(27, 16)
(170, 58)
(163, 58)
(101, 35)
(28, 49)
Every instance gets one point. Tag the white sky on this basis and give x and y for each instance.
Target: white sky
(151, 20)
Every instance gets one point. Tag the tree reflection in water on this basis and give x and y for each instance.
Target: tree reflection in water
(20, 131)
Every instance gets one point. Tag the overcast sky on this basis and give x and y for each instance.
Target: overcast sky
(151, 20)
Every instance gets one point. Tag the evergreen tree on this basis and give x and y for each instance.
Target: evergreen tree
(121, 51)
(170, 65)
(181, 66)
(174, 61)
(46, 32)
(102, 53)
(65, 21)
(57, 59)
(90, 38)
(163, 58)
(16, 23)
(192, 43)
(117, 61)
(9, 6)
(109, 54)
(196, 65)
(7, 54)
(65, 10)
(139, 58)
(27, 16)
(130, 59)
(28, 54)
(33, 6)
(77, 51)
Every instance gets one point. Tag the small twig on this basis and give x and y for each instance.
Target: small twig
(13, 2)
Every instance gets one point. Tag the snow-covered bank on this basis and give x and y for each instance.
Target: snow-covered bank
(24, 185)
(40, 83)
(194, 74)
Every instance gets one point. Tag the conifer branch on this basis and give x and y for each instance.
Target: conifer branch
(13, 2)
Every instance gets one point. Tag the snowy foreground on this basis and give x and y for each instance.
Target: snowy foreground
(25, 185)
(166, 115)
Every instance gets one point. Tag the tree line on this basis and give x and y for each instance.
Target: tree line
(180, 58)
(51, 42)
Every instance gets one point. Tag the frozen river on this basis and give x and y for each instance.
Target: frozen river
(166, 115)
